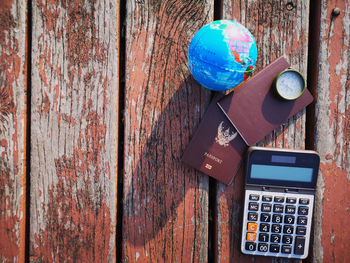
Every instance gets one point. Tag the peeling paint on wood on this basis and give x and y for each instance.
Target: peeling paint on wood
(165, 215)
(74, 131)
(12, 130)
(74, 125)
(279, 30)
(332, 133)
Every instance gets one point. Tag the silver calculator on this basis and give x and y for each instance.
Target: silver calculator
(279, 199)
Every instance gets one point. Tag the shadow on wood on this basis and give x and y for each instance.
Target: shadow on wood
(165, 202)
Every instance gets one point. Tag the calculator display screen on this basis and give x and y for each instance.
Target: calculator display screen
(268, 167)
(283, 173)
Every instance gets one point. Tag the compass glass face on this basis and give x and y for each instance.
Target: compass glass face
(290, 85)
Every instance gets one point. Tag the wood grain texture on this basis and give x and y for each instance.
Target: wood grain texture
(332, 135)
(165, 204)
(12, 130)
(74, 131)
(280, 28)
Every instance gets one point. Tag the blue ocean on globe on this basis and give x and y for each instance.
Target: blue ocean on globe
(222, 54)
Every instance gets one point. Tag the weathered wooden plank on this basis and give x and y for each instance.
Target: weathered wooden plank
(280, 28)
(13, 73)
(165, 205)
(74, 131)
(332, 134)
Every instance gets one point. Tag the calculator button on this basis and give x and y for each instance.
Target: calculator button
(277, 219)
(304, 201)
(279, 199)
(253, 206)
(287, 239)
(278, 208)
(265, 217)
(251, 246)
(290, 209)
(263, 237)
(289, 220)
(299, 245)
(276, 228)
(303, 210)
(253, 197)
(288, 229)
(275, 238)
(264, 228)
(302, 220)
(291, 200)
(251, 236)
(266, 207)
(301, 230)
(252, 216)
(252, 226)
(274, 248)
(286, 249)
(267, 198)
(263, 247)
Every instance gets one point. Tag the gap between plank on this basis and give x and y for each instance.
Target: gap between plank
(121, 138)
(212, 209)
(28, 120)
(312, 69)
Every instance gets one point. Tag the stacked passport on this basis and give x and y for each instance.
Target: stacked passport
(234, 122)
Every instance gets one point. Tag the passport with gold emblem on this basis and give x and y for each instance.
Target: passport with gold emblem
(216, 148)
(242, 118)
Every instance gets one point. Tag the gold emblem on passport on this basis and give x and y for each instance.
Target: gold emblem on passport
(224, 136)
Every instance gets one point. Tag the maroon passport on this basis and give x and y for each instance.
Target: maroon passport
(237, 120)
(255, 110)
(216, 148)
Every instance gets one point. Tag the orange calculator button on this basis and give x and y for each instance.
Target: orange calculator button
(252, 226)
(251, 236)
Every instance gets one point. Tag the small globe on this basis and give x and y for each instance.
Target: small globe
(221, 55)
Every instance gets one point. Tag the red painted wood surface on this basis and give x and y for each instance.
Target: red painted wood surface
(332, 134)
(165, 206)
(74, 80)
(12, 130)
(280, 29)
(74, 126)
